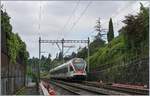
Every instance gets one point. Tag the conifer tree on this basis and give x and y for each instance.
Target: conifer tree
(110, 34)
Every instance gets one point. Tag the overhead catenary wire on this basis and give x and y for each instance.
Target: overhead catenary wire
(78, 19)
(75, 23)
(70, 17)
(113, 15)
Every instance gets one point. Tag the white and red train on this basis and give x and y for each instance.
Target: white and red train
(74, 69)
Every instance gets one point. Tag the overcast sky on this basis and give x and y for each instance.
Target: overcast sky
(52, 17)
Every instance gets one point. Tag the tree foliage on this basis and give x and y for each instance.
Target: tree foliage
(82, 53)
(68, 57)
(33, 63)
(32, 68)
(110, 34)
(15, 46)
(98, 29)
(46, 63)
(136, 30)
(97, 43)
(60, 56)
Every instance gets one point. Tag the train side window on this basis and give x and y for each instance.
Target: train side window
(71, 69)
(65, 70)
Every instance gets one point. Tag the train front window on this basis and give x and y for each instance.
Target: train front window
(79, 66)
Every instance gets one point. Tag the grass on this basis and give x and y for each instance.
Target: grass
(108, 54)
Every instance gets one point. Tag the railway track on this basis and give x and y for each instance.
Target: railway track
(80, 89)
(73, 90)
(120, 89)
(93, 88)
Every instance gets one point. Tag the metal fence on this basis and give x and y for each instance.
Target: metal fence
(137, 68)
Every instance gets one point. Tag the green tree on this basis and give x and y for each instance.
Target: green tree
(82, 53)
(48, 62)
(73, 55)
(98, 29)
(98, 41)
(16, 48)
(110, 34)
(32, 68)
(60, 56)
(22, 53)
(96, 45)
(137, 29)
(68, 57)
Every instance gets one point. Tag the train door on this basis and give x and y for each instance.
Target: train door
(71, 70)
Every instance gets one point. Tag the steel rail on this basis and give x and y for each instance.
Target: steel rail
(91, 89)
(120, 89)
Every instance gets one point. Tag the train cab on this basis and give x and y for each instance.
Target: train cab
(79, 66)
